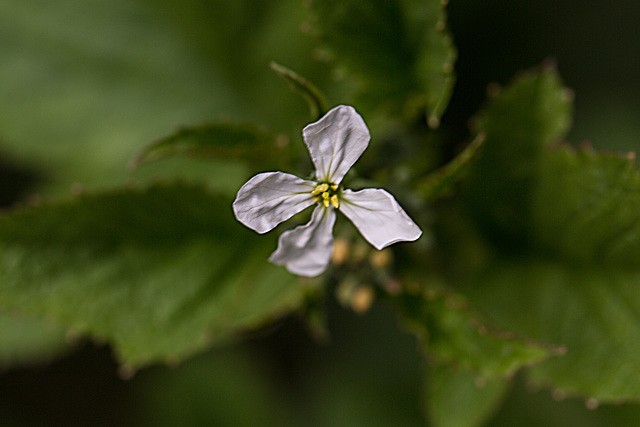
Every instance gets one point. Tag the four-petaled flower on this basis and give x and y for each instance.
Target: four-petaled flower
(335, 142)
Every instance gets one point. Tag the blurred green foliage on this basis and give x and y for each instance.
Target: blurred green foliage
(159, 273)
(542, 243)
(449, 390)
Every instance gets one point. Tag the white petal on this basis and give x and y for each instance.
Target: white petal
(335, 142)
(306, 250)
(269, 198)
(378, 217)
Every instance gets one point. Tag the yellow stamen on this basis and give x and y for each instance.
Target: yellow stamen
(326, 193)
(321, 188)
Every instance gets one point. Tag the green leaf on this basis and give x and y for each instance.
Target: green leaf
(435, 55)
(590, 310)
(586, 208)
(398, 52)
(574, 215)
(297, 83)
(586, 211)
(460, 399)
(234, 141)
(25, 341)
(159, 273)
(85, 84)
(439, 183)
(530, 114)
(453, 334)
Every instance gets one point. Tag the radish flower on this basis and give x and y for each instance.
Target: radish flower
(335, 143)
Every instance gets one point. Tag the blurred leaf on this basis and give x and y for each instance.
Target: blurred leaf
(435, 55)
(313, 96)
(460, 399)
(453, 334)
(574, 216)
(222, 176)
(223, 388)
(241, 142)
(24, 341)
(532, 112)
(85, 83)
(439, 183)
(592, 311)
(586, 211)
(398, 53)
(586, 208)
(159, 273)
(525, 406)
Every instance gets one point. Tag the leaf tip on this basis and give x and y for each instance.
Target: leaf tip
(586, 145)
(33, 200)
(591, 403)
(480, 382)
(433, 122)
(493, 89)
(172, 361)
(550, 64)
(559, 351)
(277, 67)
(72, 336)
(76, 188)
(134, 164)
(558, 395)
(568, 95)
(126, 371)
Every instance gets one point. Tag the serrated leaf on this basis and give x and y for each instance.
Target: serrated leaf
(159, 273)
(24, 341)
(590, 310)
(453, 334)
(235, 141)
(574, 217)
(531, 113)
(436, 55)
(461, 399)
(586, 211)
(398, 52)
(586, 208)
(298, 84)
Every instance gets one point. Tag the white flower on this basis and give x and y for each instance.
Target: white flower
(335, 143)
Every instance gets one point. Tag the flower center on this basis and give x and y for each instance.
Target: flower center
(326, 193)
